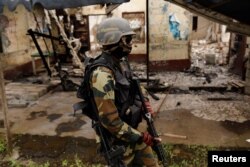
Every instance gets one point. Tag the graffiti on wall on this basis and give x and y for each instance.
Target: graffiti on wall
(137, 23)
(169, 27)
(174, 27)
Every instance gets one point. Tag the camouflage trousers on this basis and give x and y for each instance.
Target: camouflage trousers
(139, 155)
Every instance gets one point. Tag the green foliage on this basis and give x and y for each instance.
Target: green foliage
(47, 164)
(2, 146)
(65, 163)
(187, 155)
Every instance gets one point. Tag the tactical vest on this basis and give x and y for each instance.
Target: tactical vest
(126, 99)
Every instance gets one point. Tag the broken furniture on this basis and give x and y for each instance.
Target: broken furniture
(33, 36)
(67, 84)
(36, 56)
(237, 86)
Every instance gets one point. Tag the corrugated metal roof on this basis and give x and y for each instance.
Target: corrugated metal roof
(55, 4)
(13, 3)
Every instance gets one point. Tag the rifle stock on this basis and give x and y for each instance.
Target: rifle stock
(157, 146)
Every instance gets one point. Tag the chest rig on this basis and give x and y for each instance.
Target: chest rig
(126, 99)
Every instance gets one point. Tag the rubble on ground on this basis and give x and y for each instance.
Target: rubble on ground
(218, 94)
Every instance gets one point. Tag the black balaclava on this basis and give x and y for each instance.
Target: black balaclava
(120, 49)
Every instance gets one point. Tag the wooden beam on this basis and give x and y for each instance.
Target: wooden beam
(174, 135)
(208, 88)
(220, 98)
(111, 7)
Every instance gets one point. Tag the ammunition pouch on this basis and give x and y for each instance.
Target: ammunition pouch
(136, 116)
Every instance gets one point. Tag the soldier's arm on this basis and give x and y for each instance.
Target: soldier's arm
(102, 84)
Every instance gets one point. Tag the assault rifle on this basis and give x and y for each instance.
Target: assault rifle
(112, 154)
(157, 146)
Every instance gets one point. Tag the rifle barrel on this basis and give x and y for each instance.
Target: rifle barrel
(157, 147)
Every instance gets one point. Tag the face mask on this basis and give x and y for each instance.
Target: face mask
(123, 48)
(126, 43)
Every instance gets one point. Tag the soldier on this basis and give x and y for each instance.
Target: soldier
(119, 108)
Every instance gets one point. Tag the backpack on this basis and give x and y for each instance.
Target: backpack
(84, 91)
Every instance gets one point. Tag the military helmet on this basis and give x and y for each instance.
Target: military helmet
(112, 29)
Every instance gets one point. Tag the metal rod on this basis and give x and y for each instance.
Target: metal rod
(147, 50)
(31, 33)
(45, 35)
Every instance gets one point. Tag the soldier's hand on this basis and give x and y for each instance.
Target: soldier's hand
(148, 139)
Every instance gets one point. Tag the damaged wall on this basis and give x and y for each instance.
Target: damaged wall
(168, 42)
(203, 26)
(17, 45)
(14, 39)
(208, 30)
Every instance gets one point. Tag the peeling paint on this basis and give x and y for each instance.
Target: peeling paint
(4, 23)
(5, 40)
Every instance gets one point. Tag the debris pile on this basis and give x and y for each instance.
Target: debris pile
(207, 89)
(209, 53)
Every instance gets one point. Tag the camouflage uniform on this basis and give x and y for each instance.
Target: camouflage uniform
(102, 83)
(119, 107)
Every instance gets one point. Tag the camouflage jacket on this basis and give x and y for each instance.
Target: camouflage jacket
(111, 92)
